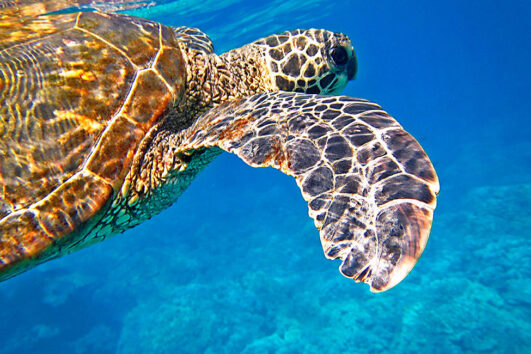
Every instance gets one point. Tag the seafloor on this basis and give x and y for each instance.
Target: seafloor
(231, 270)
(236, 265)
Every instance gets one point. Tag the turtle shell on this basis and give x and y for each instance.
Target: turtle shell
(79, 92)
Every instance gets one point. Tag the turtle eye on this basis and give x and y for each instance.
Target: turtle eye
(339, 55)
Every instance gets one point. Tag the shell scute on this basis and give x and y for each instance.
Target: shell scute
(138, 39)
(170, 65)
(112, 158)
(72, 204)
(87, 75)
(57, 103)
(18, 29)
(148, 99)
(168, 37)
(23, 236)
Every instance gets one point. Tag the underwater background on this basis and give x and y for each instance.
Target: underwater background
(236, 265)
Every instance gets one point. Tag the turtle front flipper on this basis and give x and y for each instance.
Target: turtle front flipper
(369, 185)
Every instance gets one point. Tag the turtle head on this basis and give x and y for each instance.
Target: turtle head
(312, 61)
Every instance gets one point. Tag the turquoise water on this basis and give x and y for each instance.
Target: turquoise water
(236, 265)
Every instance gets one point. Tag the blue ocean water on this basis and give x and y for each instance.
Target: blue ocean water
(236, 264)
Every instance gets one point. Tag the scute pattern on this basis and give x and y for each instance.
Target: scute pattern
(112, 160)
(78, 102)
(56, 104)
(116, 30)
(74, 202)
(373, 211)
(32, 236)
(18, 24)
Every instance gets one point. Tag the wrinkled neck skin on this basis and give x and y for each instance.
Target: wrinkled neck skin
(213, 80)
(160, 172)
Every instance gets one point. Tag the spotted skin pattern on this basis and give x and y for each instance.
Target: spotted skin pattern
(370, 187)
(297, 61)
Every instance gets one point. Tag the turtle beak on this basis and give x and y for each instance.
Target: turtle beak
(352, 67)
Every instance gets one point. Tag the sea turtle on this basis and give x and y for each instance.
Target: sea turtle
(107, 118)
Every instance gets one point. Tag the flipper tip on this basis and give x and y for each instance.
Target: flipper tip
(402, 233)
